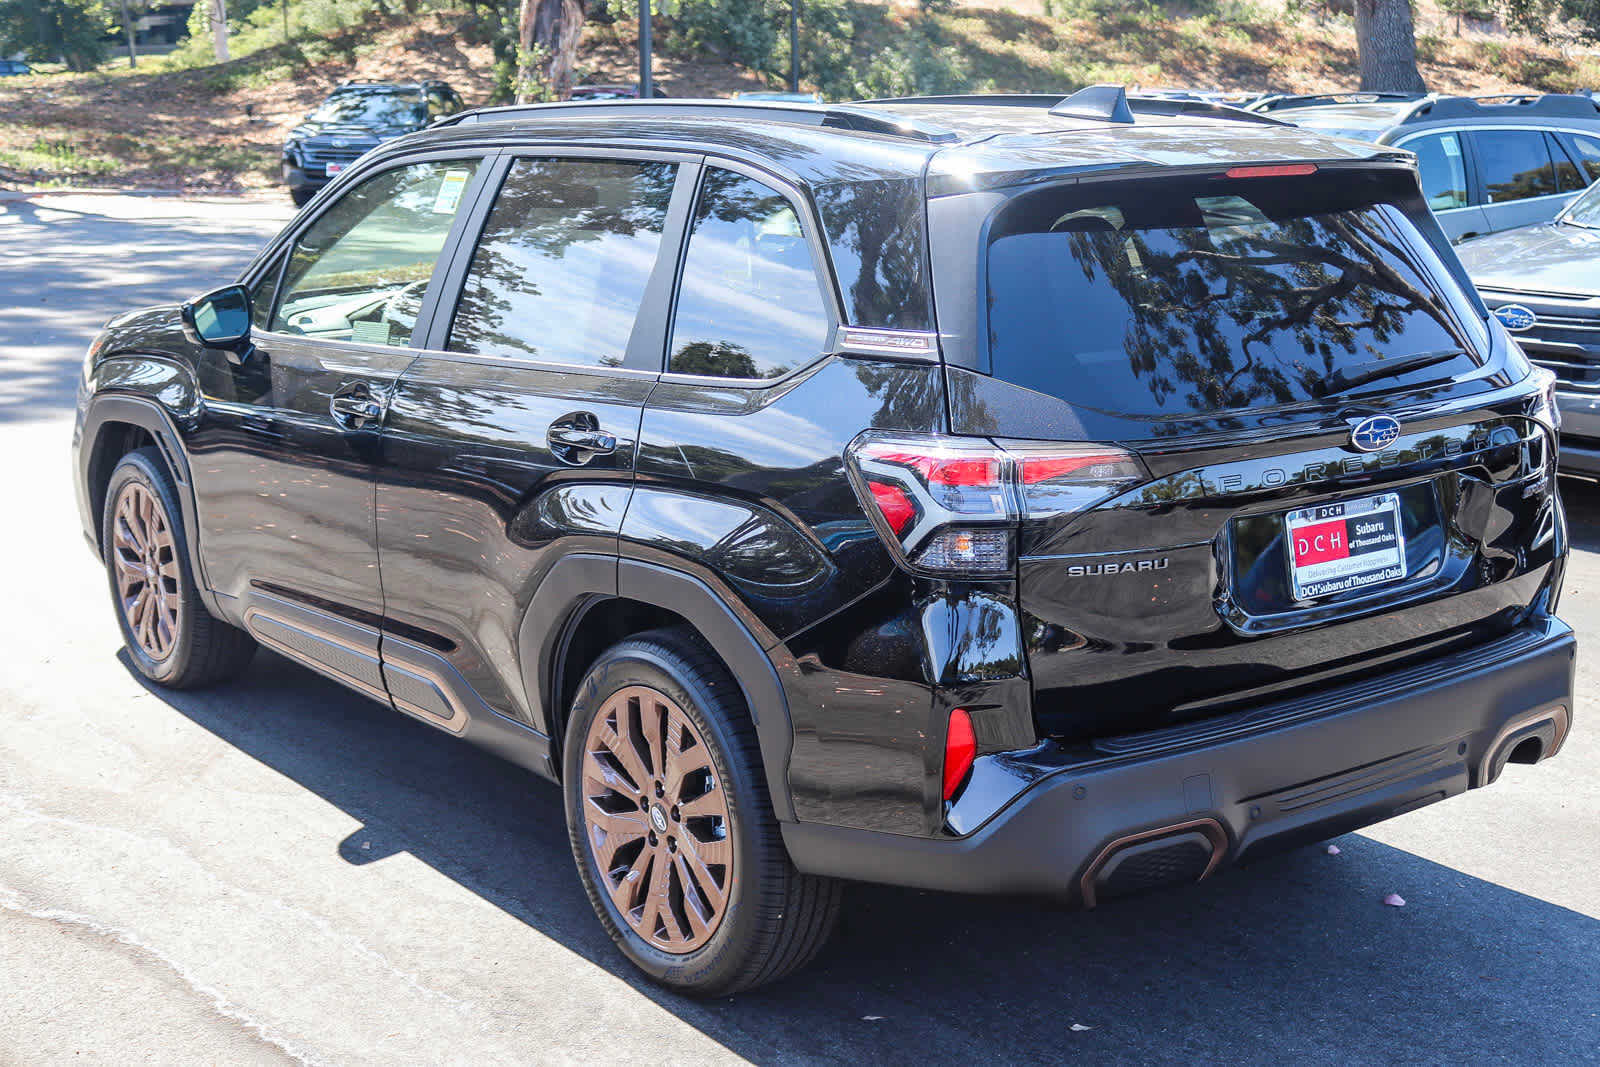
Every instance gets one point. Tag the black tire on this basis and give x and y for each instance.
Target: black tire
(300, 196)
(776, 919)
(203, 650)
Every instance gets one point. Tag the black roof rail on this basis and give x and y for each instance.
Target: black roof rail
(1273, 103)
(837, 116)
(1138, 104)
(1107, 103)
(1548, 105)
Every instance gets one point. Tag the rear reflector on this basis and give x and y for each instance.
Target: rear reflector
(1279, 170)
(960, 749)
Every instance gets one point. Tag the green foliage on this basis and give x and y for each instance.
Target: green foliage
(58, 158)
(45, 30)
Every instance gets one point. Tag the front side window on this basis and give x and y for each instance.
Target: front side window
(749, 305)
(561, 268)
(1184, 298)
(360, 271)
(1516, 164)
(1443, 171)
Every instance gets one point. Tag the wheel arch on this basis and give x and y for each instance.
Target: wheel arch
(114, 425)
(585, 603)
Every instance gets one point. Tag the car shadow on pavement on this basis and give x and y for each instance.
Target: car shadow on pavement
(1292, 957)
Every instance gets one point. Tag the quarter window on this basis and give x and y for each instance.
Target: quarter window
(1516, 164)
(749, 305)
(561, 268)
(360, 271)
(1588, 155)
(1443, 172)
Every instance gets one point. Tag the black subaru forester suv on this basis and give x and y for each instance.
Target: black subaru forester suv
(982, 494)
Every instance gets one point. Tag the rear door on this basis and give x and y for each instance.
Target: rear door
(1329, 487)
(512, 437)
(1521, 182)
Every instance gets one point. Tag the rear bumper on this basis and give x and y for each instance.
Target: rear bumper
(1182, 808)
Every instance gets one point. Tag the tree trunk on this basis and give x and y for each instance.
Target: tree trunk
(1388, 47)
(219, 29)
(127, 28)
(547, 46)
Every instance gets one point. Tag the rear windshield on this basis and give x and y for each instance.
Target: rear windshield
(1184, 298)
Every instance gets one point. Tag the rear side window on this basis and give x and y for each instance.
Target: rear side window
(1443, 170)
(1515, 164)
(561, 268)
(749, 304)
(1193, 297)
(359, 272)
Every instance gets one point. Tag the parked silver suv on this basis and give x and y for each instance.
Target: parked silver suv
(1488, 163)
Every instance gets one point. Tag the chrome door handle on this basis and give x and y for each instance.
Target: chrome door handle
(356, 407)
(595, 442)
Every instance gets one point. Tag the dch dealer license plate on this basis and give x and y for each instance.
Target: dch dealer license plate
(1336, 548)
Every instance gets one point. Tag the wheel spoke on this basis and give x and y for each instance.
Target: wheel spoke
(706, 854)
(694, 909)
(682, 763)
(652, 713)
(707, 804)
(625, 890)
(602, 775)
(618, 741)
(658, 906)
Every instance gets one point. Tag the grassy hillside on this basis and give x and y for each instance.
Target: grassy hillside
(183, 123)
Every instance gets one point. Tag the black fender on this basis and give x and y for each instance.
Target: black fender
(103, 409)
(577, 582)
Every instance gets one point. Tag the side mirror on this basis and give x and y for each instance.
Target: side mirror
(220, 319)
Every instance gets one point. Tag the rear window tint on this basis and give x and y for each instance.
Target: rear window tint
(1184, 298)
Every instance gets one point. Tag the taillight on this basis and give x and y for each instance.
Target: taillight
(960, 750)
(952, 505)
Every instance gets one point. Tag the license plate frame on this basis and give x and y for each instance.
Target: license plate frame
(1345, 546)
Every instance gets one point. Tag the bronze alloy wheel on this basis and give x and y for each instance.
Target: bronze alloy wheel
(656, 820)
(144, 558)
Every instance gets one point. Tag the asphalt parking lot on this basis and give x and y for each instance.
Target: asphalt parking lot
(280, 870)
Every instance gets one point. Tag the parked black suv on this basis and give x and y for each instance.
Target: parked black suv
(982, 494)
(356, 118)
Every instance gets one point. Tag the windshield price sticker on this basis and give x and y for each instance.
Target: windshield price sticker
(1337, 548)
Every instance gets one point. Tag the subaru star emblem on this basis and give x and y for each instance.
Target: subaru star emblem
(1515, 317)
(1375, 433)
(339, 142)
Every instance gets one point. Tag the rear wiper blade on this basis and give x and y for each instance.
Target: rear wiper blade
(1340, 384)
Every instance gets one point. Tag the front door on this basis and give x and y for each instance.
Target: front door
(287, 444)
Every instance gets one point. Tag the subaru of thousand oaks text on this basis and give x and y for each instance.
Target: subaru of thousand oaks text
(990, 494)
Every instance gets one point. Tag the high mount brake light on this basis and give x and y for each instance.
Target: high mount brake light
(1277, 170)
(952, 505)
